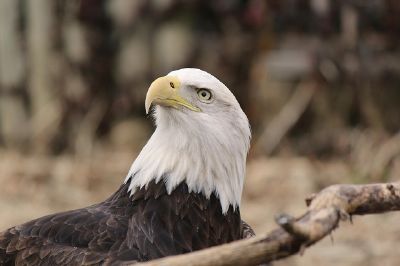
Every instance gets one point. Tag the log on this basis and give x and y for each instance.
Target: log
(325, 210)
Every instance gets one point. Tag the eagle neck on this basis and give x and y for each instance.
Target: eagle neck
(207, 163)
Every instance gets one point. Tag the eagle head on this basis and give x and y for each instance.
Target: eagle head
(202, 137)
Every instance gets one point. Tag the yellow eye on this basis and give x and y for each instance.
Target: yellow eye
(204, 95)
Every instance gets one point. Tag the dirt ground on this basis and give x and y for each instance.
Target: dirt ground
(32, 186)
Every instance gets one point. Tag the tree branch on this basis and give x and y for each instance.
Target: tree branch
(325, 210)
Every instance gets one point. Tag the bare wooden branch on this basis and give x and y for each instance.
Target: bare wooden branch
(325, 210)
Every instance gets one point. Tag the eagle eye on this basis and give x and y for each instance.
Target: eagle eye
(204, 95)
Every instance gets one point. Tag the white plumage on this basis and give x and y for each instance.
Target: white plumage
(207, 149)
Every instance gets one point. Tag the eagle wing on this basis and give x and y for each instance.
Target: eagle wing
(88, 236)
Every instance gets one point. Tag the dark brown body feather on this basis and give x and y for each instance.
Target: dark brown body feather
(148, 225)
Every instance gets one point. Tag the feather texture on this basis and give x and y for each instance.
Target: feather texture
(149, 225)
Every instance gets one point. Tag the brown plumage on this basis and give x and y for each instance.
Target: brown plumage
(148, 225)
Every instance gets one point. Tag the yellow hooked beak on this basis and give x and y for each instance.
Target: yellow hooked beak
(165, 91)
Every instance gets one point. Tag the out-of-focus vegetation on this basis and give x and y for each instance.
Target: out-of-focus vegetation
(74, 71)
(319, 80)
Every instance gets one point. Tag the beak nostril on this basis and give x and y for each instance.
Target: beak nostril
(164, 91)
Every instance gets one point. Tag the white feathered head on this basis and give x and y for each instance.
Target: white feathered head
(202, 137)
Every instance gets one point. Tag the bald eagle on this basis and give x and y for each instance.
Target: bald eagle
(181, 194)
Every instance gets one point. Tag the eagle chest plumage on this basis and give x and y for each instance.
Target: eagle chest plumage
(147, 225)
(180, 222)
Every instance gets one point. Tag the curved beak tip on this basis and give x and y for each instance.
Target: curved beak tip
(147, 106)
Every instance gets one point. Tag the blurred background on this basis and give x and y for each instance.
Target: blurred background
(318, 79)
